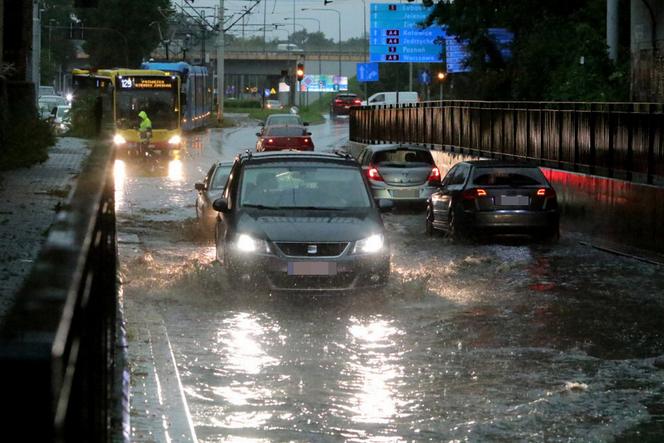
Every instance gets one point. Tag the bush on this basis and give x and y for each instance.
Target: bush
(27, 143)
(242, 104)
(83, 117)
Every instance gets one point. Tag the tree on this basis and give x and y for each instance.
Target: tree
(551, 38)
(57, 48)
(126, 30)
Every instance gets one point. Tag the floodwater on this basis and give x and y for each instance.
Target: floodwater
(505, 340)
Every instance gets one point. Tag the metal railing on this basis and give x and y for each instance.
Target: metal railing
(62, 356)
(621, 140)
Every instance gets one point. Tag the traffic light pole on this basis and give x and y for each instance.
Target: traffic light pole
(220, 64)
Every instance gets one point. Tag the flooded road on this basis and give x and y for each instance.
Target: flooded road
(509, 340)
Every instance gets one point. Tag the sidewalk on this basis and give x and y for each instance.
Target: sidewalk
(29, 200)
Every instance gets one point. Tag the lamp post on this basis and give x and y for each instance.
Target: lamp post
(441, 79)
(339, 15)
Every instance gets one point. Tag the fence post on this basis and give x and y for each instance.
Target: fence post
(560, 137)
(651, 144)
(527, 132)
(630, 145)
(609, 117)
(541, 133)
(514, 131)
(591, 126)
(576, 137)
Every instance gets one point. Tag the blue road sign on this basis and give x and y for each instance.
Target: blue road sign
(424, 77)
(367, 72)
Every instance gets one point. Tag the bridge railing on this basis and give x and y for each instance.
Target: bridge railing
(621, 140)
(62, 352)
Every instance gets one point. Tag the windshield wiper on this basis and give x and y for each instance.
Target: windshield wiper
(318, 208)
(261, 206)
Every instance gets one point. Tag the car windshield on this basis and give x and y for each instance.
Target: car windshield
(508, 177)
(285, 131)
(304, 185)
(220, 177)
(402, 158)
(63, 112)
(283, 120)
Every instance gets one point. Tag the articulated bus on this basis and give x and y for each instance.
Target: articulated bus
(130, 91)
(196, 98)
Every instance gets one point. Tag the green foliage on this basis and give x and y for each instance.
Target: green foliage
(126, 31)
(26, 143)
(242, 104)
(83, 117)
(552, 37)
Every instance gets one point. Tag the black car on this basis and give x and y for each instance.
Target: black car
(495, 197)
(211, 189)
(301, 221)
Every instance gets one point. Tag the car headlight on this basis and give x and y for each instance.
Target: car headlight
(119, 140)
(370, 245)
(175, 140)
(246, 243)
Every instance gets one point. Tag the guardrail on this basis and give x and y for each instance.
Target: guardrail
(62, 353)
(621, 140)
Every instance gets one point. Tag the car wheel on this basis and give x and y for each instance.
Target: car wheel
(430, 230)
(454, 231)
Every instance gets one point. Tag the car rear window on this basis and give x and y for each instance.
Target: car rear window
(286, 131)
(284, 120)
(508, 177)
(403, 158)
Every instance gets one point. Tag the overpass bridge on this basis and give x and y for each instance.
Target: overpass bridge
(62, 346)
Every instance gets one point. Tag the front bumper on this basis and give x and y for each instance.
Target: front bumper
(275, 271)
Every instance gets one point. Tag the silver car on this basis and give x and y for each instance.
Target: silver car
(400, 173)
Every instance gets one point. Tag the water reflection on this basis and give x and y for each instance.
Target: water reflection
(239, 344)
(375, 402)
(119, 176)
(175, 170)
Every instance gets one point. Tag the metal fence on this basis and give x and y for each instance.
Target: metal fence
(622, 140)
(62, 368)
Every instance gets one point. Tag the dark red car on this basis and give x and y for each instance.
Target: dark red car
(342, 103)
(277, 138)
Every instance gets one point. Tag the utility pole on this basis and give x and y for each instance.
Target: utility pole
(35, 71)
(220, 64)
(612, 29)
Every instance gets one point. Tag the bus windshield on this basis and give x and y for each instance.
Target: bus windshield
(159, 105)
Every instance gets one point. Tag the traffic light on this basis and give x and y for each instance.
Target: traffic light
(300, 72)
(441, 76)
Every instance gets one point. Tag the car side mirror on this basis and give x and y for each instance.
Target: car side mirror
(199, 187)
(258, 134)
(384, 204)
(220, 205)
(305, 124)
(307, 133)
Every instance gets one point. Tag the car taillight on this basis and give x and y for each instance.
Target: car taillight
(307, 141)
(472, 194)
(434, 176)
(269, 140)
(546, 192)
(337, 101)
(374, 175)
(357, 102)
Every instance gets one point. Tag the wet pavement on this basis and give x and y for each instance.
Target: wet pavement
(507, 340)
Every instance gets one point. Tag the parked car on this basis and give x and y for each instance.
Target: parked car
(301, 222)
(211, 188)
(402, 173)
(488, 196)
(392, 98)
(276, 138)
(46, 90)
(273, 104)
(282, 119)
(47, 103)
(61, 119)
(341, 104)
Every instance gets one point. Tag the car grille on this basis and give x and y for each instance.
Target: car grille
(306, 249)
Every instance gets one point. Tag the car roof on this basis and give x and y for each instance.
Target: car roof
(283, 115)
(499, 164)
(393, 146)
(332, 157)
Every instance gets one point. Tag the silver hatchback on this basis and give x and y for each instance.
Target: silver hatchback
(401, 173)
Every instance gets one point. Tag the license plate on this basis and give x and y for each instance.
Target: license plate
(514, 200)
(405, 193)
(312, 268)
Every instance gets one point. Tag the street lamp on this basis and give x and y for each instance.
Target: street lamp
(339, 15)
(441, 79)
